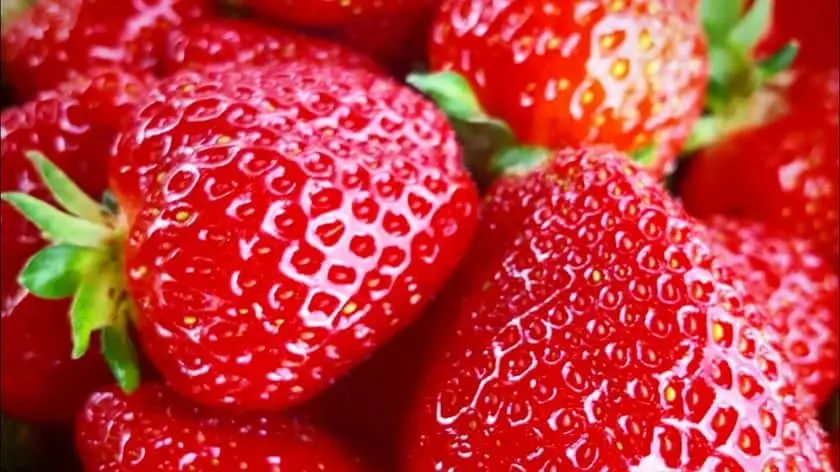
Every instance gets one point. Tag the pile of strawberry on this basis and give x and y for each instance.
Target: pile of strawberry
(420, 235)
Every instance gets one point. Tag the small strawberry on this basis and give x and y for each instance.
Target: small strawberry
(55, 37)
(800, 293)
(76, 126)
(154, 429)
(631, 73)
(278, 225)
(603, 334)
(236, 43)
(785, 173)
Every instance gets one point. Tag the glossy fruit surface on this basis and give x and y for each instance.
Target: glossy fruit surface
(785, 173)
(56, 37)
(331, 13)
(284, 223)
(154, 429)
(75, 126)
(236, 43)
(603, 334)
(628, 73)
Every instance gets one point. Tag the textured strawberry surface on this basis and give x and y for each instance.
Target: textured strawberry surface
(153, 429)
(800, 293)
(332, 13)
(604, 334)
(56, 37)
(628, 73)
(284, 223)
(75, 126)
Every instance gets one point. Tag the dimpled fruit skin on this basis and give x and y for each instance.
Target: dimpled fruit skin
(800, 293)
(629, 73)
(54, 37)
(330, 13)
(785, 173)
(604, 337)
(153, 430)
(74, 126)
(235, 43)
(291, 220)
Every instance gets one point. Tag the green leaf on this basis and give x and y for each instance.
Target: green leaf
(121, 356)
(752, 26)
(778, 61)
(65, 191)
(54, 272)
(706, 131)
(518, 159)
(93, 307)
(57, 225)
(719, 17)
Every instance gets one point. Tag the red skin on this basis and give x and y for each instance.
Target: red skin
(580, 73)
(568, 342)
(800, 293)
(56, 37)
(236, 43)
(75, 127)
(330, 13)
(814, 27)
(785, 173)
(340, 211)
(153, 429)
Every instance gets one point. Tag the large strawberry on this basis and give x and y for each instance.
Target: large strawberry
(155, 430)
(55, 37)
(602, 334)
(237, 43)
(279, 224)
(631, 73)
(800, 293)
(76, 126)
(785, 172)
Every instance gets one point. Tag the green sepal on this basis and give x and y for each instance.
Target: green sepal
(480, 133)
(746, 34)
(94, 305)
(518, 159)
(65, 191)
(57, 225)
(121, 356)
(777, 62)
(705, 132)
(645, 156)
(54, 272)
(719, 18)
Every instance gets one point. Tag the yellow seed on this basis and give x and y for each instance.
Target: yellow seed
(620, 68)
(717, 331)
(670, 394)
(350, 308)
(190, 320)
(182, 216)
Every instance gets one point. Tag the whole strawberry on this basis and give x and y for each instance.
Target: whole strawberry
(53, 38)
(154, 429)
(628, 73)
(603, 334)
(75, 125)
(785, 173)
(236, 43)
(278, 225)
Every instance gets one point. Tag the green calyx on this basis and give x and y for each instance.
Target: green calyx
(83, 261)
(735, 76)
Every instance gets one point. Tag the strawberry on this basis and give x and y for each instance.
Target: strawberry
(631, 73)
(278, 225)
(800, 292)
(603, 334)
(43, 45)
(814, 27)
(154, 429)
(785, 173)
(237, 43)
(75, 125)
(331, 13)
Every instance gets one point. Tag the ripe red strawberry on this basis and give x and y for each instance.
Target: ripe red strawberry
(55, 37)
(631, 73)
(154, 429)
(331, 13)
(800, 293)
(814, 27)
(785, 173)
(75, 125)
(280, 224)
(236, 43)
(603, 334)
